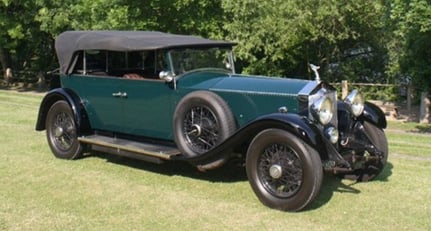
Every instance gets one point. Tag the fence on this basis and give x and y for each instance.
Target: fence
(387, 102)
(25, 78)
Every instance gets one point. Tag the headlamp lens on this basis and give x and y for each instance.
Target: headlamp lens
(355, 102)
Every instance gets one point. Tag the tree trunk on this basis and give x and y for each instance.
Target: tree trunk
(41, 83)
(4, 59)
(424, 110)
(409, 98)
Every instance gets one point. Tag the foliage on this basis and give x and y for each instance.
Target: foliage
(391, 93)
(354, 40)
(282, 37)
(182, 16)
(388, 94)
(22, 44)
(411, 47)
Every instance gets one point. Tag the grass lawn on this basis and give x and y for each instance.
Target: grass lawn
(104, 192)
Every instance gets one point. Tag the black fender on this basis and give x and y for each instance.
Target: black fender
(71, 98)
(372, 114)
(293, 123)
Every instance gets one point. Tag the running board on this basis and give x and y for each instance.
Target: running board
(138, 150)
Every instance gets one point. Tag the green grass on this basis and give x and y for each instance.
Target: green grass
(410, 138)
(103, 192)
(410, 127)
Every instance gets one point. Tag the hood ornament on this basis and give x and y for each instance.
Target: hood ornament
(315, 69)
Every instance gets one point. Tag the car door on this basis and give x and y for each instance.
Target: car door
(101, 99)
(148, 108)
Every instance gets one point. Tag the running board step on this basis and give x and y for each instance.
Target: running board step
(145, 151)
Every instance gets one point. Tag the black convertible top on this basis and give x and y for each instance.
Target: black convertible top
(67, 43)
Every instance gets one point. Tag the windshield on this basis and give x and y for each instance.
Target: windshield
(184, 60)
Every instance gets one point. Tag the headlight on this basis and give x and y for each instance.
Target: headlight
(322, 110)
(355, 102)
(332, 134)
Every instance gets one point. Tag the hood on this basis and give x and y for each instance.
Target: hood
(261, 85)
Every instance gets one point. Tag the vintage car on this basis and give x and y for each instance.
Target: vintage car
(164, 97)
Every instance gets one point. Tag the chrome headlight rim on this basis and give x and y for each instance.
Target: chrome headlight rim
(322, 110)
(355, 102)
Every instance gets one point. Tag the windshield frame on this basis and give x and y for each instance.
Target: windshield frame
(229, 61)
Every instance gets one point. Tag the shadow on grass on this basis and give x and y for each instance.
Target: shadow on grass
(333, 184)
(234, 172)
(230, 172)
(423, 128)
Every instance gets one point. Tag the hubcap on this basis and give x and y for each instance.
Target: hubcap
(201, 129)
(275, 171)
(58, 131)
(280, 170)
(196, 130)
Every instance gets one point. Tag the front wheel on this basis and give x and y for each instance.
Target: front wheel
(61, 132)
(284, 172)
(371, 169)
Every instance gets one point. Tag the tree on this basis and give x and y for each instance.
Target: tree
(357, 40)
(282, 37)
(11, 30)
(22, 44)
(182, 16)
(198, 17)
(410, 48)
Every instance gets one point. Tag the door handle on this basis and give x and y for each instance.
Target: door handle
(120, 94)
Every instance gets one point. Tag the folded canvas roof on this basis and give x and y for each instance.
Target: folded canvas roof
(69, 42)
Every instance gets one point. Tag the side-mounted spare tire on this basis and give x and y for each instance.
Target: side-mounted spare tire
(202, 120)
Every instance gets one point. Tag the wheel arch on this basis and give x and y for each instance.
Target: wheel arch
(241, 139)
(374, 115)
(71, 98)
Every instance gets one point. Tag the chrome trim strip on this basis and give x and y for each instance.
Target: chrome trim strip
(253, 92)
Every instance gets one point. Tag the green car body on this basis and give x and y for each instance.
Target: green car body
(157, 100)
(162, 97)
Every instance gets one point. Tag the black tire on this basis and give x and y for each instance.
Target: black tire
(372, 169)
(284, 172)
(202, 120)
(61, 132)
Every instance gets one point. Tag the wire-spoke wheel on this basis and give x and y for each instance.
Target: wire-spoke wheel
(280, 170)
(201, 129)
(202, 120)
(61, 131)
(284, 172)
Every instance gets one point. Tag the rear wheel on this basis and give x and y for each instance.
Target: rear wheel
(61, 131)
(284, 172)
